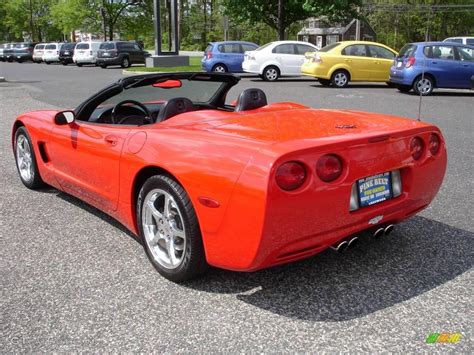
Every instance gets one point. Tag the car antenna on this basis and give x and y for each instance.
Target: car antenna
(424, 63)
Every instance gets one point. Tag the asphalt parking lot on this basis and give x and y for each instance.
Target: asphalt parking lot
(73, 280)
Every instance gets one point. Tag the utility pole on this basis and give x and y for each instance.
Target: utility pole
(281, 32)
(358, 24)
(31, 22)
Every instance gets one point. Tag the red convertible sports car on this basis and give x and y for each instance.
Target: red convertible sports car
(240, 187)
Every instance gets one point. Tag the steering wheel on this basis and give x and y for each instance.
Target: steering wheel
(117, 107)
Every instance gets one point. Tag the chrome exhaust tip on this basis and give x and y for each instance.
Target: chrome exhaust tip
(379, 232)
(352, 243)
(341, 247)
(389, 229)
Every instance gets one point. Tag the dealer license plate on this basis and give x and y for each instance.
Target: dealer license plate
(374, 189)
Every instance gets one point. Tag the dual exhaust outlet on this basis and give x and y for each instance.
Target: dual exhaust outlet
(348, 244)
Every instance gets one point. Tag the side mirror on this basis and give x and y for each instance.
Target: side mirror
(64, 118)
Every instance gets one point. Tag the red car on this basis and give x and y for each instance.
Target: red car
(240, 187)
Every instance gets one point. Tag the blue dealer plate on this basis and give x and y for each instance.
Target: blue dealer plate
(374, 189)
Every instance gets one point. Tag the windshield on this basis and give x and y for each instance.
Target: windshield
(329, 47)
(196, 91)
(68, 46)
(107, 46)
(82, 46)
(264, 46)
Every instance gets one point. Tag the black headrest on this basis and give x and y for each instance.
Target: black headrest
(250, 99)
(174, 107)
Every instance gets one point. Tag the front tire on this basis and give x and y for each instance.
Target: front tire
(79, 65)
(26, 160)
(169, 229)
(125, 62)
(423, 86)
(340, 79)
(103, 66)
(271, 73)
(403, 88)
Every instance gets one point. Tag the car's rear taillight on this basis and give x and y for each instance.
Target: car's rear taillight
(290, 175)
(329, 167)
(316, 58)
(209, 55)
(417, 148)
(410, 62)
(434, 144)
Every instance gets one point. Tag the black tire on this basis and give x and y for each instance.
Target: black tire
(271, 73)
(219, 68)
(193, 261)
(79, 65)
(340, 79)
(403, 88)
(390, 85)
(48, 63)
(324, 82)
(19, 60)
(64, 63)
(35, 181)
(125, 62)
(103, 66)
(425, 85)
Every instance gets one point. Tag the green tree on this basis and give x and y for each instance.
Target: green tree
(69, 15)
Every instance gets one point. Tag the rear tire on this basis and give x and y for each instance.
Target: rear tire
(219, 68)
(423, 86)
(271, 73)
(340, 78)
(48, 63)
(171, 235)
(79, 65)
(25, 158)
(103, 66)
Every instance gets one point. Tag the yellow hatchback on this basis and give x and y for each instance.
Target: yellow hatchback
(341, 62)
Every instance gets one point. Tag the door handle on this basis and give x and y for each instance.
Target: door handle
(434, 62)
(465, 65)
(112, 140)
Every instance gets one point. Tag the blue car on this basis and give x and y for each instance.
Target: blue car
(226, 56)
(445, 65)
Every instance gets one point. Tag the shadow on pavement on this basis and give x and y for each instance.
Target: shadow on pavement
(418, 256)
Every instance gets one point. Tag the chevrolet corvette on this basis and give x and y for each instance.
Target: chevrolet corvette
(240, 186)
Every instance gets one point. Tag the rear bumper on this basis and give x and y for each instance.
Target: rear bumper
(85, 60)
(25, 56)
(315, 70)
(51, 59)
(251, 66)
(109, 61)
(281, 227)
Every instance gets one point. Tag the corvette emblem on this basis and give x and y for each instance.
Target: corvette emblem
(375, 220)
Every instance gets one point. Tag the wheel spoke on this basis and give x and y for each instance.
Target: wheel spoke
(153, 209)
(171, 251)
(167, 209)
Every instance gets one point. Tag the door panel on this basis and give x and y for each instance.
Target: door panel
(86, 160)
(382, 60)
(355, 56)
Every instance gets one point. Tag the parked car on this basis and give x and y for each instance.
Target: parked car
(86, 53)
(66, 53)
(24, 51)
(51, 52)
(276, 59)
(462, 40)
(120, 53)
(38, 52)
(424, 66)
(226, 56)
(2, 47)
(9, 52)
(341, 62)
(153, 152)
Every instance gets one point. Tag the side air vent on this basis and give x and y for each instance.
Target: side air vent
(43, 153)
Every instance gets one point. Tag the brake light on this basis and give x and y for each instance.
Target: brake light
(329, 167)
(434, 144)
(317, 58)
(290, 175)
(209, 55)
(250, 56)
(410, 62)
(417, 148)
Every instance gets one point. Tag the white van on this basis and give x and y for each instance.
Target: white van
(38, 52)
(86, 53)
(51, 52)
(463, 40)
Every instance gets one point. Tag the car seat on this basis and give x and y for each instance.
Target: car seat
(175, 107)
(250, 99)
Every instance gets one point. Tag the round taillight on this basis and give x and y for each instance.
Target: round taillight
(291, 175)
(329, 167)
(435, 144)
(417, 147)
